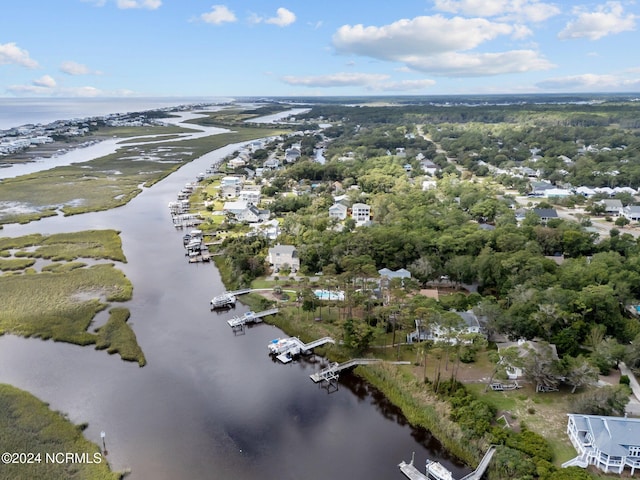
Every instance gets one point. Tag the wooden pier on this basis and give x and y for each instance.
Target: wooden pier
(330, 373)
(238, 323)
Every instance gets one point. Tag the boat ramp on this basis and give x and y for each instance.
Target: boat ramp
(435, 471)
(284, 349)
(239, 322)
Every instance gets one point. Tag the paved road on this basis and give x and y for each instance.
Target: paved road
(633, 408)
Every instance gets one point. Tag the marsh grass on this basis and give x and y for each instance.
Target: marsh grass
(59, 306)
(28, 425)
(110, 181)
(13, 264)
(117, 337)
(61, 301)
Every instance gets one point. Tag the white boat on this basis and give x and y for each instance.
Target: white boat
(282, 345)
(222, 301)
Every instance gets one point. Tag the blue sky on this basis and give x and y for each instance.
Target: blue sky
(67, 48)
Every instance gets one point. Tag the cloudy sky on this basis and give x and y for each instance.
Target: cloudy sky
(68, 48)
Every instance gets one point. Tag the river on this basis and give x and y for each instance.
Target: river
(208, 405)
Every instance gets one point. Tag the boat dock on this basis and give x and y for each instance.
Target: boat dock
(286, 348)
(435, 471)
(226, 300)
(238, 323)
(330, 373)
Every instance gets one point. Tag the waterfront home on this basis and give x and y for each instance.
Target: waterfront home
(361, 213)
(608, 443)
(338, 211)
(452, 334)
(282, 256)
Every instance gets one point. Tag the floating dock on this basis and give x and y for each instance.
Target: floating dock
(285, 349)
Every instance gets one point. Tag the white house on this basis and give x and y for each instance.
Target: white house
(281, 256)
(632, 212)
(523, 348)
(361, 213)
(438, 333)
(250, 196)
(608, 443)
(338, 211)
(612, 206)
(429, 167)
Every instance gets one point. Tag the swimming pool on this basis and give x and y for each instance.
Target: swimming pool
(329, 295)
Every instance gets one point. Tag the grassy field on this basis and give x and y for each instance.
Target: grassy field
(60, 301)
(110, 181)
(27, 425)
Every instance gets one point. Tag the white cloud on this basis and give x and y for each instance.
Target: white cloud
(436, 44)
(608, 19)
(370, 81)
(342, 79)
(147, 4)
(420, 36)
(46, 81)
(218, 15)
(480, 64)
(55, 91)
(591, 82)
(283, 17)
(74, 68)
(10, 53)
(520, 10)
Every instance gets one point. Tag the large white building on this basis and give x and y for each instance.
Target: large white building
(608, 443)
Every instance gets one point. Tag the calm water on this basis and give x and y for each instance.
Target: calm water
(209, 405)
(15, 112)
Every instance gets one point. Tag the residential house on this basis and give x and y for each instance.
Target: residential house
(271, 163)
(251, 196)
(632, 212)
(282, 256)
(608, 443)
(612, 206)
(251, 214)
(429, 167)
(292, 154)
(438, 333)
(361, 213)
(538, 188)
(523, 348)
(236, 162)
(338, 211)
(545, 214)
(386, 275)
(557, 192)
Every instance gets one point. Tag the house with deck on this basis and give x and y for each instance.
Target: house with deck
(611, 444)
(281, 256)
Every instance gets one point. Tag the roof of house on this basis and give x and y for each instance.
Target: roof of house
(360, 205)
(609, 434)
(469, 318)
(546, 212)
(401, 273)
(613, 203)
(282, 250)
(338, 206)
